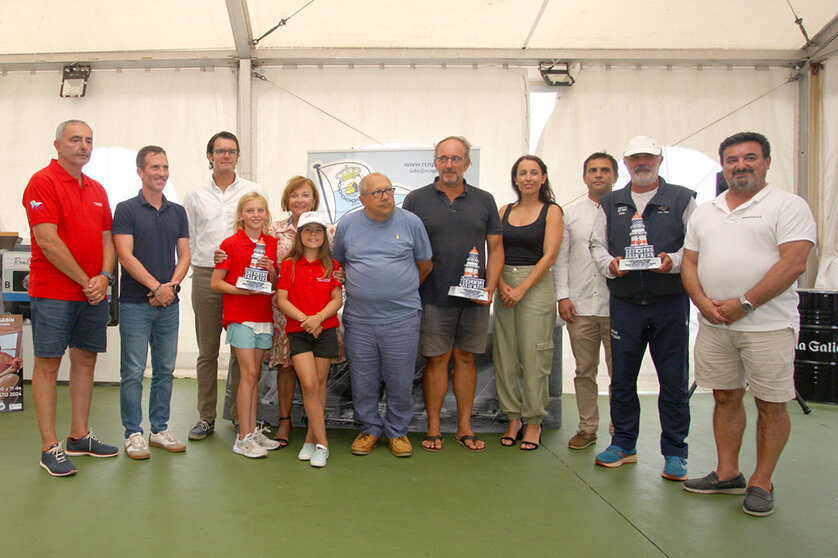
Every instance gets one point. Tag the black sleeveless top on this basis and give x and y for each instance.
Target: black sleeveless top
(524, 245)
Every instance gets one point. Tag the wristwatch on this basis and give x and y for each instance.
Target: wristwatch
(108, 275)
(745, 305)
(176, 288)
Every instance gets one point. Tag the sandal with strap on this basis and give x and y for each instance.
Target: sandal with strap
(283, 442)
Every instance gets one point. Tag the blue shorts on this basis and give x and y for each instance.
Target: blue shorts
(243, 337)
(58, 324)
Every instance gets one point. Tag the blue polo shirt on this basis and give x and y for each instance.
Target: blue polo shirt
(155, 241)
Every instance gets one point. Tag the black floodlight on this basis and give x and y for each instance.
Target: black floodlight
(74, 81)
(556, 74)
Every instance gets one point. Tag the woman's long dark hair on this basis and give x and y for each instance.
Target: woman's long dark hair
(545, 193)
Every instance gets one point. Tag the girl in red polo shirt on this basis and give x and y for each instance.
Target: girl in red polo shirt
(309, 295)
(247, 314)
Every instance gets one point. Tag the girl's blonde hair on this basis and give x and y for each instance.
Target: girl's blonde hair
(324, 254)
(250, 196)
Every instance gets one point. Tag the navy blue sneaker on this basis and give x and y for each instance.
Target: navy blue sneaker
(614, 456)
(55, 462)
(90, 445)
(674, 468)
(202, 429)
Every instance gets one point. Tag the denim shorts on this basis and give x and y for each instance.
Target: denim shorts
(325, 346)
(58, 324)
(243, 337)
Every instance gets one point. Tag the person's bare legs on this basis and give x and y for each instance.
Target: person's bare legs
(305, 365)
(44, 376)
(773, 429)
(286, 381)
(82, 365)
(250, 364)
(435, 386)
(728, 427)
(465, 382)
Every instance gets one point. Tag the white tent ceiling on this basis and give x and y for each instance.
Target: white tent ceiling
(209, 32)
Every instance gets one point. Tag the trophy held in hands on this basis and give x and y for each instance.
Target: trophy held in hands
(471, 285)
(255, 278)
(641, 254)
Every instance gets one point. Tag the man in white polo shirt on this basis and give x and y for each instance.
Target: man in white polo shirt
(211, 210)
(743, 253)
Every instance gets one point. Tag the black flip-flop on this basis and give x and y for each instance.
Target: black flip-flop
(432, 449)
(463, 439)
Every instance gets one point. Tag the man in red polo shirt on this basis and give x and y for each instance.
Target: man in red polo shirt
(72, 255)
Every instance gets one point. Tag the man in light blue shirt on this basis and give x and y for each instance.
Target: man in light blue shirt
(386, 254)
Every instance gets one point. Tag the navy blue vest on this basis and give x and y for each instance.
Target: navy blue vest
(663, 219)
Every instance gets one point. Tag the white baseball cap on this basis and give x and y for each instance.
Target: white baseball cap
(310, 217)
(642, 144)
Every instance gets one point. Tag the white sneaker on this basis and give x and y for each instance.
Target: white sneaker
(321, 454)
(306, 453)
(248, 447)
(136, 447)
(166, 440)
(263, 440)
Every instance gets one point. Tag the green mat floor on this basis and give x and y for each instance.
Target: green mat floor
(502, 502)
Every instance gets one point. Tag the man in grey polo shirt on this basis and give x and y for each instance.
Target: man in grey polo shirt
(211, 209)
(458, 217)
(387, 255)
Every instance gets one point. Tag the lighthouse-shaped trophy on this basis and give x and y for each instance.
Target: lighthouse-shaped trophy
(471, 286)
(255, 278)
(641, 254)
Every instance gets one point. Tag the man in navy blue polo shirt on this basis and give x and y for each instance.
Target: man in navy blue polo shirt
(151, 235)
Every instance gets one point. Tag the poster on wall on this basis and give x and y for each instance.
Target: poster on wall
(338, 173)
(11, 363)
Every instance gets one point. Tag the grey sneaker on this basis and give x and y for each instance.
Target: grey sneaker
(263, 440)
(55, 462)
(248, 447)
(306, 452)
(320, 455)
(90, 445)
(135, 446)
(166, 440)
(712, 485)
(202, 429)
(758, 501)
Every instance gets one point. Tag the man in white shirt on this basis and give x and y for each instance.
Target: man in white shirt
(742, 255)
(582, 295)
(211, 210)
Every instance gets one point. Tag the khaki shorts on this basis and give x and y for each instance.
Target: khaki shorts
(728, 359)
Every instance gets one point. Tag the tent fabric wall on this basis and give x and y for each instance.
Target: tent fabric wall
(828, 218)
(679, 106)
(401, 106)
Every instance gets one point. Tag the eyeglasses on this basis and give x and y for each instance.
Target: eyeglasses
(455, 159)
(378, 194)
(230, 152)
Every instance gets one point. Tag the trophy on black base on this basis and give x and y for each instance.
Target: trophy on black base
(471, 286)
(641, 254)
(255, 278)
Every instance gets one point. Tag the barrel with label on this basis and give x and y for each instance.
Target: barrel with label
(816, 355)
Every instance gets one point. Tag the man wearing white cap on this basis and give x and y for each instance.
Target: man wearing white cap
(648, 307)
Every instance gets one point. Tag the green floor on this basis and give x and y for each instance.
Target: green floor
(503, 502)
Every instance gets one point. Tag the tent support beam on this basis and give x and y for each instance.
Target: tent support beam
(808, 156)
(402, 57)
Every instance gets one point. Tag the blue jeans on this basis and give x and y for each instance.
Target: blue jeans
(664, 327)
(382, 353)
(142, 326)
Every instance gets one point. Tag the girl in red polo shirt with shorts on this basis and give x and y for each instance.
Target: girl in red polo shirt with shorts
(247, 315)
(310, 297)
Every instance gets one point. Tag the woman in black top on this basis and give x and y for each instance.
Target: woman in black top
(525, 308)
